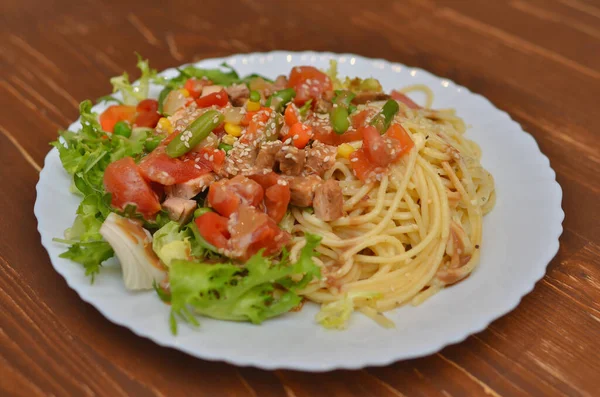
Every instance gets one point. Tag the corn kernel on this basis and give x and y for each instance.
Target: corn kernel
(252, 106)
(233, 129)
(184, 92)
(165, 125)
(228, 139)
(345, 150)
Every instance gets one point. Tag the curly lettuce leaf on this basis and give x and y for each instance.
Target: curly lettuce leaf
(132, 94)
(85, 155)
(336, 314)
(260, 290)
(170, 243)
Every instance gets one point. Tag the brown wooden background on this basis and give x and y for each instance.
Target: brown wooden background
(539, 60)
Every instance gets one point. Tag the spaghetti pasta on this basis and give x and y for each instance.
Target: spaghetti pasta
(412, 233)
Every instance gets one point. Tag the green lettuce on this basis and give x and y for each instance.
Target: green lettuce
(262, 289)
(85, 155)
(335, 315)
(170, 243)
(134, 94)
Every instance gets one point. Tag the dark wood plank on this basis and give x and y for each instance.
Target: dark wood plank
(537, 59)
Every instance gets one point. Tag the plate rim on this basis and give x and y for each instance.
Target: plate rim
(381, 360)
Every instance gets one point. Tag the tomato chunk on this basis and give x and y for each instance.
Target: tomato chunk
(160, 167)
(400, 97)
(213, 228)
(376, 148)
(194, 86)
(122, 179)
(291, 115)
(300, 135)
(147, 105)
(309, 83)
(115, 113)
(401, 141)
(216, 98)
(277, 198)
(226, 196)
(252, 230)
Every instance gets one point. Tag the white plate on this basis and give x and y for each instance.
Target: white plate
(520, 238)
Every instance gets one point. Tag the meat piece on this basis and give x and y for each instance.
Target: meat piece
(369, 96)
(179, 209)
(323, 106)
(291, 160)
(302, 189)
(266, 158)
(240, 160)
(280, 83)
(319, 158)
(328, 201)
(267, 89)
(191, 188)
(238, 94)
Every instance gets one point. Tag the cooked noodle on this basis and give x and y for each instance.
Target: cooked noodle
(412, 233)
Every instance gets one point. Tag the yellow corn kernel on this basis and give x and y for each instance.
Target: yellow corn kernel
(184, 92)
(165, 125)
(252, 106)
(345, 150)
(228, 139)
(233, 129)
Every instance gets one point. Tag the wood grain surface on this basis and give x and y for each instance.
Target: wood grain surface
(537, 59)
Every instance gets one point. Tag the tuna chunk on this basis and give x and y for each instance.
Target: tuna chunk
(240, 160)
(265, 161)
(238, 94)
(191, 188)
(291, 160)
(328, 201)
(319, 158)
(179, 210)
(302, 189)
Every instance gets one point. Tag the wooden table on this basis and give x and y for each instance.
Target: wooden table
(539, 60)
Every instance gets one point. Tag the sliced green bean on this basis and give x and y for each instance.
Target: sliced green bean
(152, 142)
(225, 147)
(281, 98)
(339, 119)
(194, 133)
(254, 96)
(383, 119)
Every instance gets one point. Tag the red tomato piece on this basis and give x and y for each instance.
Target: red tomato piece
(147, 105)
(195, 86)
(114, 114)
(376, 148)
(226, 196)
(159, 167)
(401, 140)
(309, 83)
(265, 180)
(219, 99)
(122, 179)
(400, 97)
(256, 121)
(362, 167)
(213, 228)
(252, 230)
(147, 119)
(277, 198)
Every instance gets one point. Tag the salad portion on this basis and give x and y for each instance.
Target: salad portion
(194, 191)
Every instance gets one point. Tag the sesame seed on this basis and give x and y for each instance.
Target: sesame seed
(326, 159)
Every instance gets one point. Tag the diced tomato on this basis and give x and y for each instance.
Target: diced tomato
(362, 167)
(309, 83)
(115, 113)
(252, 231)
(397, 95)
(147, 105)
(226, 196)
(216, 98)
(160, 167)
(375, 147)
(403, 142)
(359, 119)
(213, 228)
(277, 198)
(195, 86)
(300, 135)
(122, 179)
(147, 119)
(291, 115)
